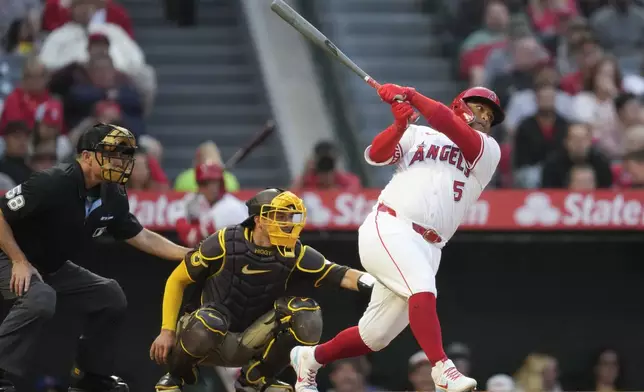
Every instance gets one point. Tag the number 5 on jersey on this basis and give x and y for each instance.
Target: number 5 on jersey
(458, 190)
(15, 200)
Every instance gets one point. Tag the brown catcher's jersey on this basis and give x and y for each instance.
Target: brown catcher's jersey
(243, 280)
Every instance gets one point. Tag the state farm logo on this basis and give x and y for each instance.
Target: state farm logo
(537, 209)
(581, 210)
(159, 212)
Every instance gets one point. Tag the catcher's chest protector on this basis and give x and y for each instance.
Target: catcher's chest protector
(250, 281)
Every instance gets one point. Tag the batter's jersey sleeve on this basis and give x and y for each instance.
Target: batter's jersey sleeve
(405, 144)
(207, 257)
(484, 166)
(314, 267)
(40, 193)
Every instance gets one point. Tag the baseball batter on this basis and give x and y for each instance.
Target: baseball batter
(442, 170)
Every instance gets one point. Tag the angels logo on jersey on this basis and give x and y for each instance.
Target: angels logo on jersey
(446, 153)
(435, 183)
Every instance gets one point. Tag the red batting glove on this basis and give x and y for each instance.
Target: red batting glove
(393, 92)
(402, 111)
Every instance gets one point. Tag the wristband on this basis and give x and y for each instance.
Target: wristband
(366, 282)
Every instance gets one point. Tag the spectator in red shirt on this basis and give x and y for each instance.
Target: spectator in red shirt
(56, 14)
(322, 172)
(547, 15)
(48, 129)
(22, 103)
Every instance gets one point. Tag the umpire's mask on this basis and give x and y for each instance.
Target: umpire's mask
(115, 154)
(284, 218)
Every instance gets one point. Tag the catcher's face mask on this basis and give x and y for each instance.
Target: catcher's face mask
(284, 218)
(115, 155)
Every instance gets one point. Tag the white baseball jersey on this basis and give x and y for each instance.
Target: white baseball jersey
(434, 185)
(227, 211)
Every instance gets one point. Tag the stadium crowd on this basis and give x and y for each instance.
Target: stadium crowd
(569, 74)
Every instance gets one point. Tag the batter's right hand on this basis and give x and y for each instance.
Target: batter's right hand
(393, 92)
(402, 112)
(21, 274)
(161, 346)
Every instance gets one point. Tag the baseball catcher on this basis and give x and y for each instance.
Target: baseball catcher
(246, 318)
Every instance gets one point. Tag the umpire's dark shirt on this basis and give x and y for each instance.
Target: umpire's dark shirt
(52, 215)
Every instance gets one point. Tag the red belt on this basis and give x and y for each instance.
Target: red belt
(429, 235)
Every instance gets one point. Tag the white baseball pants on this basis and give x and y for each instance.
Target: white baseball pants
(403, 264)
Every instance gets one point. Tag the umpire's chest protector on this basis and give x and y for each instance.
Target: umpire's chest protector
(250, 280)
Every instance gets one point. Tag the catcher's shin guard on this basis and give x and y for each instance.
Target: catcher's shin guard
(203, 332)
(299, 322)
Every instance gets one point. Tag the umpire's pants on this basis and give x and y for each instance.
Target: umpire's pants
(99, 299)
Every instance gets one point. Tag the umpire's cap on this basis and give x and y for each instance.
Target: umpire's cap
(255, 203)
(95, 136)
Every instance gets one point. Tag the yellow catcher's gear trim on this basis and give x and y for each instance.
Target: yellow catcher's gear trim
(318, 282)
(205, 324)
(222, 244)
(299, 257)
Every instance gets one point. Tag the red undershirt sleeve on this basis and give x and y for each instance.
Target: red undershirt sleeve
(383, 147)
(443, 119)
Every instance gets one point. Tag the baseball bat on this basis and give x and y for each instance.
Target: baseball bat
(255, 142)
(304, 27)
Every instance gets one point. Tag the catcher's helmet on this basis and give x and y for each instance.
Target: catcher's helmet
(283, 215)
(478, 94)
(113, 148)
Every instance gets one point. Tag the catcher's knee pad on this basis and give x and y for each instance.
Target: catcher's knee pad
(203, 332)
(303, 317)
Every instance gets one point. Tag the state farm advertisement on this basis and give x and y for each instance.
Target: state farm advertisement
(499, 210)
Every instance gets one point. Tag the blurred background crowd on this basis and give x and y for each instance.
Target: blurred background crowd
(184, 77)
(570, 76)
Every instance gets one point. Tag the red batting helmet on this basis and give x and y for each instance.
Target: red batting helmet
(477, 94)
(209, 171)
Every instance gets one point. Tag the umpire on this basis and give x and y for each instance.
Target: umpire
(43, 224)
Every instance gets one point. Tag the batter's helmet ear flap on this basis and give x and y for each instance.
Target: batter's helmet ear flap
(463, 111)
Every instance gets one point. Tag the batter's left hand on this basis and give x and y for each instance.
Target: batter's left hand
(162, 346)
(393, 92)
